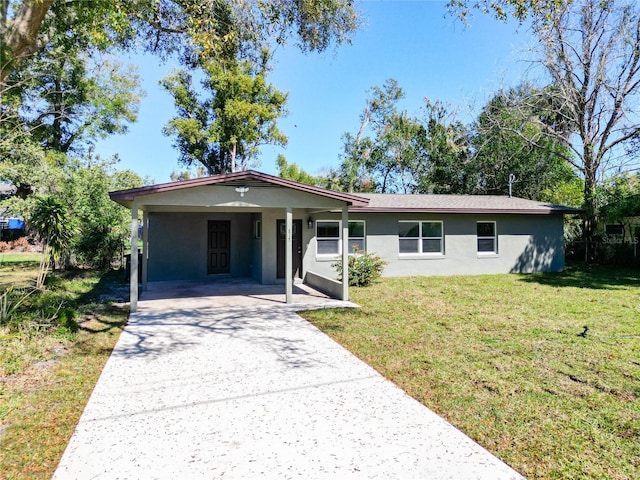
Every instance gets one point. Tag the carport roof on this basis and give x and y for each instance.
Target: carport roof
(248, 178)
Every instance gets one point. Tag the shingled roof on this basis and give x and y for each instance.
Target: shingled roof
(380, 202)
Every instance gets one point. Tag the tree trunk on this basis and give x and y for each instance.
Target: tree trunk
(19, 39)
(590, 220)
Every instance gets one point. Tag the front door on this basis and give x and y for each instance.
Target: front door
(296, 246)
(218, 247)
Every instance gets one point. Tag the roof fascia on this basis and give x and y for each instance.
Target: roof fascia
(126, 196)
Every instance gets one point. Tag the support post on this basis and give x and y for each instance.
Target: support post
(145, 248)
(345, 252)
(133, 262)
(288, 262)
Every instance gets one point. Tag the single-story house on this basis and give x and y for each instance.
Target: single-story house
(254, 225)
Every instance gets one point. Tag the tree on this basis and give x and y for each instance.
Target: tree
(225, 130)
(445, 168)
(65, 100)
(102, 226)
(383, 154)
(620, 199)
(291, 171)
(510, 137)
(50, 220)
(194, 28)
(591, 51)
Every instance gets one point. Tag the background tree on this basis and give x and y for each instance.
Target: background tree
(384, 152)
(620, 200)
(445, 166)
(225, 130)
(291, 171)
(511, 136)
(102, 226)
(591, 51)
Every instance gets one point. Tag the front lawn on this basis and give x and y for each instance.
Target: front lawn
(506, 359)
(53, 347)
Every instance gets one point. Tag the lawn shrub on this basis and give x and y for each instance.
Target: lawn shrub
(364, 268)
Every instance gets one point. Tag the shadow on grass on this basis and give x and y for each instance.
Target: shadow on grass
(108, 288)
(582, 275)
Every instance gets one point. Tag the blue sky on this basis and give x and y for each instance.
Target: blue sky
(428, 52)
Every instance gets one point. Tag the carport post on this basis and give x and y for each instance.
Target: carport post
(145, 248)
(288, 262)
(133, 261)
(345, 252)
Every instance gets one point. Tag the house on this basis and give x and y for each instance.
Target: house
(254, 225)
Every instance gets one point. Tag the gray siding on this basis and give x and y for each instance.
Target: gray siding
(526, 243)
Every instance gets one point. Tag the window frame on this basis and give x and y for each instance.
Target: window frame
(420, 239)
(339, 238)
(619, 226)
(493, 237)
(363, 245)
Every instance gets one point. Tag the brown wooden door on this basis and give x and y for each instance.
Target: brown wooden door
(296, 246)
(218, 251)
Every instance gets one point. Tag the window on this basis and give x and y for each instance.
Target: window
(356, 236)
(421, 238)
(614, 229)
(487, 239)
(329, 235)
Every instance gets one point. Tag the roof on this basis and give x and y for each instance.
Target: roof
(380, 202)
(362, 202)
(249, 178)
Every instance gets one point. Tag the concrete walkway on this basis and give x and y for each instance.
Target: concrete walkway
(228, 382)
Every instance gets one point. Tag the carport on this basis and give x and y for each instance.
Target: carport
(238, 225)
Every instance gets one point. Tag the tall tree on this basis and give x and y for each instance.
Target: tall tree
(445, 166)
(510, 137)
(191, 27)
(224, 130)
(591, 51)
(65, 100)
(384, 152)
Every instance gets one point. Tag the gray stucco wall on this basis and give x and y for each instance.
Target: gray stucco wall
(178, 245)
(526, 243)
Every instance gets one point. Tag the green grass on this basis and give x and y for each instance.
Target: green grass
(48, 369)
(501, 358)
(18, 269)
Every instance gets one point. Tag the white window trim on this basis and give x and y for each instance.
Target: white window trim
(420, 238)
(494, 237)
(339, 239)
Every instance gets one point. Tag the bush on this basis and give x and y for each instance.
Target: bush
(20, 244)
(364, 268)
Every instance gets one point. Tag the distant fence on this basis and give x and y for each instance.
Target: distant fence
(608, 249)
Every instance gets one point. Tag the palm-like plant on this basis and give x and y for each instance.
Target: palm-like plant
(50, 220)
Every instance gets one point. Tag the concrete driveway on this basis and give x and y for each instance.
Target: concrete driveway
(211, 381)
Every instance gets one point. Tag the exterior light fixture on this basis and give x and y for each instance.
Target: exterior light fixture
(242, 190)
(309, 223)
